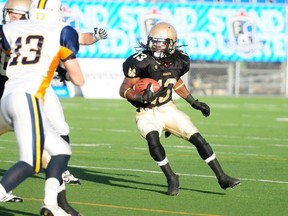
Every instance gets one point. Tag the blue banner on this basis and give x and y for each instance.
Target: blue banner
(209, 32)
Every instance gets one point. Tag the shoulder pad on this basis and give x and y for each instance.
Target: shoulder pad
(184, 56)
(135, 63)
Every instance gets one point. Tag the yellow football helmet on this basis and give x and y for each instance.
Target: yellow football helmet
(16, 6)
(162, 40)
(46, 10)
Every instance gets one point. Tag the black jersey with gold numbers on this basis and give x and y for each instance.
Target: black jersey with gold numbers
(166, 72)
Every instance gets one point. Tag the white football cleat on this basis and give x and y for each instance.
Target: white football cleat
(9, 197)
(69, 178)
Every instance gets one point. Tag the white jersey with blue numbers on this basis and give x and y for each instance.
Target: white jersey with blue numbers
(41, 49)
(36, 49)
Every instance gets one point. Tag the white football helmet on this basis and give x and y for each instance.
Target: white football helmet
(162, 40)
(16, 6)
(46, 10)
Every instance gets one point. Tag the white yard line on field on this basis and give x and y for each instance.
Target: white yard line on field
(158, 172)
(181, 174)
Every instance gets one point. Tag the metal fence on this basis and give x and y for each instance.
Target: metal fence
(238, 78)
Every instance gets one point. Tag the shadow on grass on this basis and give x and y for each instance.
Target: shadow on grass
(9, 212)
(124, 181)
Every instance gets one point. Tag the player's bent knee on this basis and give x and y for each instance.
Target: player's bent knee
(153, 139)
(203, 148)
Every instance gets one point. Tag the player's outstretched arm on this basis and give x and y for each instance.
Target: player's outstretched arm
(89, 38)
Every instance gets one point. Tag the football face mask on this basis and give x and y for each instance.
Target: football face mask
(159, 47)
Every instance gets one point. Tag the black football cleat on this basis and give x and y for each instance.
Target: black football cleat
(226, 181)
(173, 186)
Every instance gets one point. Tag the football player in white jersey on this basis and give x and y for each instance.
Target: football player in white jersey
(36, 49)
(21, 9)
(18, 9)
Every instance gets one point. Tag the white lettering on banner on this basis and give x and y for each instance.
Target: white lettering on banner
(280, 45)
(269, 20)
(201, 43)
(206, 29)
(185, 19)
(92, 15)
(117, 44)
(274, 42)
(222, 45)
(127, 15)
(218, 19)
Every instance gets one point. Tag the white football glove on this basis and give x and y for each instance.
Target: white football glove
(100, 33)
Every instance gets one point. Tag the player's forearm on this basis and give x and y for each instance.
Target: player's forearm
(181, 89)
(87, 38)
(128, 93)
(75, 72)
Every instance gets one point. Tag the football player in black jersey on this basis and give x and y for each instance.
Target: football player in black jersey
(162, 61)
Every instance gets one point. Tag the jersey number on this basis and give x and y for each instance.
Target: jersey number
(34, 53)
(164, 98)
(140, 56)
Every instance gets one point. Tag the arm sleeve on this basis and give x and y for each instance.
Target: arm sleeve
(69, 42)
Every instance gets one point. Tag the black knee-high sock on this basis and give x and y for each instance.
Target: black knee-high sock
(216, 167)
(157, 152)
(167, 170)
(57, 165)
(205, 151)
(64, 204)
(67, 139)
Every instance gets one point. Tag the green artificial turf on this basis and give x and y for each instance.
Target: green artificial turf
(118, 177)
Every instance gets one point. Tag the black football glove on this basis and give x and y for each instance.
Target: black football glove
(149, 95)
(62, 74)
(203, 107)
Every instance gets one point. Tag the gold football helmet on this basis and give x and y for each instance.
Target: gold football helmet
(16, 6)
(162, 40)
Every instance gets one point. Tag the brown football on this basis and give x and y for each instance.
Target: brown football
(141, 85)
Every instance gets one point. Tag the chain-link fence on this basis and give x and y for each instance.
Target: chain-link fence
(238, 78)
